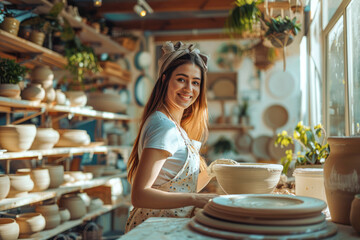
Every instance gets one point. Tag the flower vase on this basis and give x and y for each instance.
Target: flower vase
(342, 176)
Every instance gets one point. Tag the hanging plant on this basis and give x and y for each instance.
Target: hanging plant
(229, 56)
(243, 17)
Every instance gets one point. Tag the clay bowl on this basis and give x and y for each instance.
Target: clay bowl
(56, 173)
(107, 102)
(246, 178)
(76, 98)
(72, 138)
(74, 204)
(20, 185)
(51, 215)
(30, 223)
(17, 138)
(96, 170)
(40, 177)
(9, 229)
(4, 186)
(45, 138)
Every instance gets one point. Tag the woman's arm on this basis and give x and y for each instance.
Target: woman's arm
(144, 196)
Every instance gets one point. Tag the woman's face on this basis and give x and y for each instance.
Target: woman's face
(184, 86)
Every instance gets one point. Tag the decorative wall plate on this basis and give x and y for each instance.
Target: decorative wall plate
(243, 142)
(280, 84)
(222, 85)
(142, 89)
(275, 116)
(259, 147)
(125, 96)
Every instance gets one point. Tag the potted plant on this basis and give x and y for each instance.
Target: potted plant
(11, 73)
(45, 24)
(243, 18)
(315, 150)
(243, 113)
(281, 31)
(9, 24)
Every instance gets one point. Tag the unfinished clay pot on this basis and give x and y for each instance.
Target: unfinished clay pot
(56, 173)
(10, 90)
(30, 223)
(248, 177)
(72, 138)
(43, 75)
(64, 214)
(17, 138)
(96, 170)
(33, 92)
(40, 177)
(76, 98)
(51, 215)
(74, 204)
(20, 185)
(9, 229)
(45, 138)
(342, 176)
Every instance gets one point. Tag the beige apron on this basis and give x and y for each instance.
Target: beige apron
(185, 181)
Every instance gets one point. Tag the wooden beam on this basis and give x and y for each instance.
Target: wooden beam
(164, 6)
(173, 24)
(191, 37)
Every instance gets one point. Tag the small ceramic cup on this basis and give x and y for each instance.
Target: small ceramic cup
(355, 213)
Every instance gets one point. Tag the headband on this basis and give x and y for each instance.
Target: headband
(173, 52)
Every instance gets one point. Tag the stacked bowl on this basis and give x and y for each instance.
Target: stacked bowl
(263, 216)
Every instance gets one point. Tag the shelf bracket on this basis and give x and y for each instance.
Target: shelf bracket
(68, 115)
(29, 117)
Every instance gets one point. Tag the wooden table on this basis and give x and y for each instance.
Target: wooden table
(176, 229)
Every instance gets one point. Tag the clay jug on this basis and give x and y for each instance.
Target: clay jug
(342, 176)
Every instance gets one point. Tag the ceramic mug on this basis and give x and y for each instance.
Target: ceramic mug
(355, 213)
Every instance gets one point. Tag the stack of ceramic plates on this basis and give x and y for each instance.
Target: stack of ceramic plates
(263, 216)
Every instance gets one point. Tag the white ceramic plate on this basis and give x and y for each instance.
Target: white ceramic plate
(281, 84)
(234, 217)
(330, 230)
(258, 229)
(275, 206)
(275, 116)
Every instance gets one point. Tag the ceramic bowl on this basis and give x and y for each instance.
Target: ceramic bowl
(56, 173)
(20, 185)
(4, 186)
(30, 222)
(74, 204)
(64, 214)
(72, 138)
(9, 229)
(76, 98)
(45, 138)
(51, 215)
(246, 178)
(107, 102)
(40, 177)
(17, 138)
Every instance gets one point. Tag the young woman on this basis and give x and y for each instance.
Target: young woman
(165, 168)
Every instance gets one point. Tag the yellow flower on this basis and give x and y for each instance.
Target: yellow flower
(284, 133)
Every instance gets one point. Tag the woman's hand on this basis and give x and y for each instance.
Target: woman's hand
(201, 199)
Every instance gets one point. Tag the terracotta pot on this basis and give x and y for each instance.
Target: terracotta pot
(74, 204)
(341, 176)
(43, 75)
(64, 214)
(355, 213)
(10, 25)
(17, 138)
(309, 182)
(278, 39)
(9, 229)
(4, 186)
(10, 90)
(33, 92)
(76, 98)
(45, 138)
(20, 185)
(246, 178)
(56, 175)
(37, 37)
(30, 222)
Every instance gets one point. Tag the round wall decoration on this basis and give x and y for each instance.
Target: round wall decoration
(275, 116)
(280, 84)
(142, 89)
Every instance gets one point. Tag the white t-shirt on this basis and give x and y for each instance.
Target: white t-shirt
(160, 132)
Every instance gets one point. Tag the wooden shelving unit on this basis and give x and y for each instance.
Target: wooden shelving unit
(9, 203)
(229, 127)
(24, 49)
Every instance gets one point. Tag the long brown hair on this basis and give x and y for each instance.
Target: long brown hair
(194, 120)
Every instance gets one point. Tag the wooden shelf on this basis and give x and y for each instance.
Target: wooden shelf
(46, 234)
(101, 42)
(114, 72)
(9, 203)
(12, 44)
(71, 151)
(229, 127)
(10, 105)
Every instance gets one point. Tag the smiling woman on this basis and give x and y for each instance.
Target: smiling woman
(165, 168)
